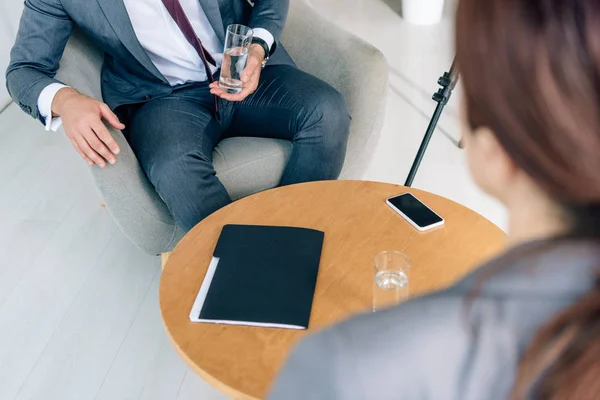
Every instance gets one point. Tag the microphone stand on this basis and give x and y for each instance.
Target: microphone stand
(442, 96)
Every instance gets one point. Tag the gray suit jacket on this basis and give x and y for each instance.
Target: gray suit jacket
(438, 346)
(128, 74)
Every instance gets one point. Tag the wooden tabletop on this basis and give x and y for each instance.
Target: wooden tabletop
(243, 361)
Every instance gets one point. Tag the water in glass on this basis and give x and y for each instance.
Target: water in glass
(390, 288)
(234, 62)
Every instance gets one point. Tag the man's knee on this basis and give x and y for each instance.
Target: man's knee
(190, 190)
(326, 132)
(332, 115)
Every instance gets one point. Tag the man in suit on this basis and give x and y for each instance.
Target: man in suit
(162, 61)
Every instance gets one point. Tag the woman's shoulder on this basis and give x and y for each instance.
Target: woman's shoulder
(423, 320)
(463, 340)
(525, 275)
(471, 332)
(415, 345)
(420, 314)
(408, 349)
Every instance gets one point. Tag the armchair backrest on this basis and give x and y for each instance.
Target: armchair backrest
(351, 65)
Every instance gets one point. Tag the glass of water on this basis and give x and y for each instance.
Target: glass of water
(390, 286)
(237, 47)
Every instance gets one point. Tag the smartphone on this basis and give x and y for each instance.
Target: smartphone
(415, 212)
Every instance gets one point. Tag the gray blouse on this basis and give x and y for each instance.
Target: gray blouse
(442, 346)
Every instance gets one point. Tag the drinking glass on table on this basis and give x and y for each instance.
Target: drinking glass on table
(235, 56)
(390, 286)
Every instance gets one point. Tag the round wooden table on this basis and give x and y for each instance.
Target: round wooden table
(243, 361)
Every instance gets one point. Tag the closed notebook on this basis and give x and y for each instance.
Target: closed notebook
(261, 276)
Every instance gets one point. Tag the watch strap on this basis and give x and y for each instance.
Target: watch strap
(264, 45)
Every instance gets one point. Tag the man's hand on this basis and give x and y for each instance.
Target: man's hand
(82, 119)
(250, 76)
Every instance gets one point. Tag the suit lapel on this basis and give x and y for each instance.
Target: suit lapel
(117, 16)
(215, 11)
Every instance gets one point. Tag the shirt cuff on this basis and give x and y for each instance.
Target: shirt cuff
(265, 35)
(45, 106)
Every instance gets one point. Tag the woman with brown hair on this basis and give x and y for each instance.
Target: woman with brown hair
(527, 324)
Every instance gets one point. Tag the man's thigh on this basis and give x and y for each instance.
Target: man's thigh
(286, 101)
(168, 130)
(173, 139)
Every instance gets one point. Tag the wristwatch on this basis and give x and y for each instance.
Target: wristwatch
(265, 47)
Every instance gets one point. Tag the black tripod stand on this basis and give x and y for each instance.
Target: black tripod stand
(448, 83)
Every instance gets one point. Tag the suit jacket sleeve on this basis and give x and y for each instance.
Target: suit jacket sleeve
(43, 33)
(270, 15)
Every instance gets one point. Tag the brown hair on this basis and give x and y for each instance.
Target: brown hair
(531, 73)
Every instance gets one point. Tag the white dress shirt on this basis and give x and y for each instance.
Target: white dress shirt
(166, 46)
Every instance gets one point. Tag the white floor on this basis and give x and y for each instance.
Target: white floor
(79, 316)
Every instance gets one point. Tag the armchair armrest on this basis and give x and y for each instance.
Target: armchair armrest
(129, 197)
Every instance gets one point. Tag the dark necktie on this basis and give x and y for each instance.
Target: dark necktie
(178, 14)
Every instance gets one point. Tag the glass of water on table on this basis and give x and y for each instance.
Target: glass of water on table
(390, 285)
(235, 56)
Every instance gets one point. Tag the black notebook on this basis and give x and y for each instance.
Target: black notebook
(261, 276)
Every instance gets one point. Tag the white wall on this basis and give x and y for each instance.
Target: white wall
(10, 12)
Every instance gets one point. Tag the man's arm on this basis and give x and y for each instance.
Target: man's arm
(43, 33)
(267, 20)
(270, 15)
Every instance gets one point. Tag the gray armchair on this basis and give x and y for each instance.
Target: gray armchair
(244, 165)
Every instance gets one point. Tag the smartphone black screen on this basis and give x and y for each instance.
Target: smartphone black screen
(410, 206)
